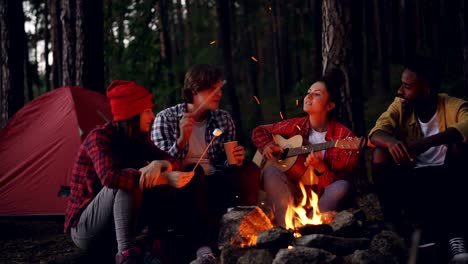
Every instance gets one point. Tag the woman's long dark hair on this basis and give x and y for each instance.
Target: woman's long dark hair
(129, 144)
(333, 80)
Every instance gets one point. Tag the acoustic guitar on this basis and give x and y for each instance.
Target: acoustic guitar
(291, 160)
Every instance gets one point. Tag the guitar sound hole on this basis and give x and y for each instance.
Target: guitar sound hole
(284, 154)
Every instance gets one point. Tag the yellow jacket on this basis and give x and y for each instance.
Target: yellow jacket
(401, 122)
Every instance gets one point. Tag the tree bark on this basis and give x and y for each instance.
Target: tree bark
(167, 52)
(464, 32)
(68, 19)
(316, 21)
(12, 42)
(224, 15)
(382, 48)
(46, 46)
(338, 53)
(278, 62)
(56, 40)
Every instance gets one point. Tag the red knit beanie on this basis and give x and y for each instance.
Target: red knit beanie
(128, 99)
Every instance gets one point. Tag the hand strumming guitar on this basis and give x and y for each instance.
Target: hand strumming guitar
(315, 160)
(271, 151)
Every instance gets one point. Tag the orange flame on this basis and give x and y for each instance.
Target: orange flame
(297, 216)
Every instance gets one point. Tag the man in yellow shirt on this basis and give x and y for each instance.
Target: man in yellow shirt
(421, 142)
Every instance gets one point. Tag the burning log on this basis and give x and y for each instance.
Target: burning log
(333, 244)
(257, 256)
(304, 255)
(316, 229)
(275, 238)
(242, 225)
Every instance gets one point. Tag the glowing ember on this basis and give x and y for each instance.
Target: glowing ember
(212, 42)
(254, 59)
(281, 115)
(256, 99)
(298, 127)
(297, 102)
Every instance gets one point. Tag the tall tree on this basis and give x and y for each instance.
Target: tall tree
(224, 15)
(56, 40)
(68, 19)
(464, 34)
(166, 44)
(12, 43)
(279, 64)
(337, 50)
(381, 47)
(46, 46)
(89, 52)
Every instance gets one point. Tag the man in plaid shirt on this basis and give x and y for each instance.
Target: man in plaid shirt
(332, 168)
(186, 130)
(115, 163)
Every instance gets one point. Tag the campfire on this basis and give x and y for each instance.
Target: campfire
(306, 212)
(351, 236)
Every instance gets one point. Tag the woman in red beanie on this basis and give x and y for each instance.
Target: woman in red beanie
(115, 163)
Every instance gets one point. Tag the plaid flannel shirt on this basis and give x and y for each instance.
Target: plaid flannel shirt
(166, 131)
(341, 163)
(95, 167)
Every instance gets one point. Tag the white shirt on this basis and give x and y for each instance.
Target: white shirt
(434, 156)
(197, 146)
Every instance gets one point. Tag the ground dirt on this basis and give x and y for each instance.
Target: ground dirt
(36, 240)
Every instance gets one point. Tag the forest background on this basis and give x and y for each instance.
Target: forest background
(272, 50)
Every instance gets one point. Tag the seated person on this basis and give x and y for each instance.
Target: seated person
(332, 168)
(418, 161)
(115, 164)
(186, 130)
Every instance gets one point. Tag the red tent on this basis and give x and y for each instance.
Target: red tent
(39, 145)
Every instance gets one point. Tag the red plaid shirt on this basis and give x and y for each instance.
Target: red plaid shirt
(341, 163)
(95, 167)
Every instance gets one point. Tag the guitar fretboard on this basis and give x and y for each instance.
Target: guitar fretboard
(309, 148)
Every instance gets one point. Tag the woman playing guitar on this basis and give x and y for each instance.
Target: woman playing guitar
(333, 168)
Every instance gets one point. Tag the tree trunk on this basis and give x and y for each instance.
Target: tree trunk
(166, 52)
(279, 64)
(366, 62)
(56, 39)
(68, 19)
(252, 69)
(316, 21)
(338, 53)
(89, 28)
(225, 44)
(12, 42)
(382, 48)
(46, 46)
(464, 32)
(407, 30)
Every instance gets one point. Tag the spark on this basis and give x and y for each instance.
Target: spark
(254, 59)
(212, 42)
(256, 99)
(281, 115)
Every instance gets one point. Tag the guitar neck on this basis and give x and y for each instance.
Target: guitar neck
(309, 148)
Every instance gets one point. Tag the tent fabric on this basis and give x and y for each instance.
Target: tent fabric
(39, 145)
